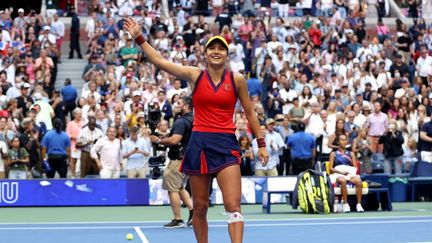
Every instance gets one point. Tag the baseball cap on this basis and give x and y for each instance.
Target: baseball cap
(46, 27)
(4, 113)
(129, 75)
(141, 114)
(270, 121)
(21, 10)
(25, 85)
(217, 38)
(136, 93)
(37, 96)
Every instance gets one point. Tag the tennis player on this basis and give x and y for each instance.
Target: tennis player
(213, 148)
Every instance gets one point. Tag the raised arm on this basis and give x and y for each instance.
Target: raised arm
(183, 72)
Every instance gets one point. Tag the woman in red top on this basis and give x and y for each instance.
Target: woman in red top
(315, 34)
(212, 149)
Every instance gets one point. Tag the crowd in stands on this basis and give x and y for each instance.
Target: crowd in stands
(322, 76)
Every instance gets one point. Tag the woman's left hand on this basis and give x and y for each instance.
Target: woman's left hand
(263, 156)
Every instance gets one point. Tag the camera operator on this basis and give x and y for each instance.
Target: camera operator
(173, 180)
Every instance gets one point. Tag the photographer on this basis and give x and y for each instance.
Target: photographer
(393, 151)
(173, 180)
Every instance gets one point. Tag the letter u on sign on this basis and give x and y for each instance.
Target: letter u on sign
(9, 192)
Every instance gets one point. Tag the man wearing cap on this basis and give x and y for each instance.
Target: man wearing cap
(275, 145)
(46, 38)
(25, 101)
(46, 111)
(303, 150)
(20, 20)
(135, 100)
(44, 62)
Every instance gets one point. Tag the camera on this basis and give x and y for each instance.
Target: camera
(153, 117)
(155, 162)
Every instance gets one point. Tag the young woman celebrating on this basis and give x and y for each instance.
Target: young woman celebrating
(213, 148)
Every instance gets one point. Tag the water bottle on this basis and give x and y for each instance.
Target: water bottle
(46, 166)
(341, 206)
(336, 206)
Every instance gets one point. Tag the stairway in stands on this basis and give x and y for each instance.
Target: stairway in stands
(70, 68)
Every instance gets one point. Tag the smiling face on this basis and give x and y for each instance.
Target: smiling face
(216, 53)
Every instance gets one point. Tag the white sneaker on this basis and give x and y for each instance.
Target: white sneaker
(359, 208)
(346, 208)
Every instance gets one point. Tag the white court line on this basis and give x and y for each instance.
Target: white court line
(218, 221)
(224, 225)
(141, 235)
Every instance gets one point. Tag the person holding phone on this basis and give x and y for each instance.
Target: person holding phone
(136, 152)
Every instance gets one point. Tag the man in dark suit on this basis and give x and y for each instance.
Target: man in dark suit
(74, 35)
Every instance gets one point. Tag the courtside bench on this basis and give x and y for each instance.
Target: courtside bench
(286, 185)
(414, 181)
(277, 185)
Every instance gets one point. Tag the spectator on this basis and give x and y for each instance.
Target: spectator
(275, 146)
(56, 146)
(87, 137)
(137, 152)
(393, 151)
(377, 124)
(107, 154)
(302, 146)
(69, 94)
(3, 159)
(73, 129)
(46, 112)
(30, 140)
(246, 155)
(17, 161)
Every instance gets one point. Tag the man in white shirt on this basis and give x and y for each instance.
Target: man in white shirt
(314, 123)
(176, 90)
(46, 112)
(363, 52)
(275, 146)
(107, 154)
(424, 65)
(46, 37)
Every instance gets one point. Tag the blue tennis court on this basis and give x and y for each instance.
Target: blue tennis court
(351, 229)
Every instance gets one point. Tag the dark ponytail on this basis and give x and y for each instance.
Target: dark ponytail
(58, 124)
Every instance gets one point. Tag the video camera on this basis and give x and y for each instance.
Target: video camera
(155, 162)
(152, 119)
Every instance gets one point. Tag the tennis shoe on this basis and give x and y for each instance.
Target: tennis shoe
(359, 208)
(189, 222)
(346, 208)
(175, 223)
